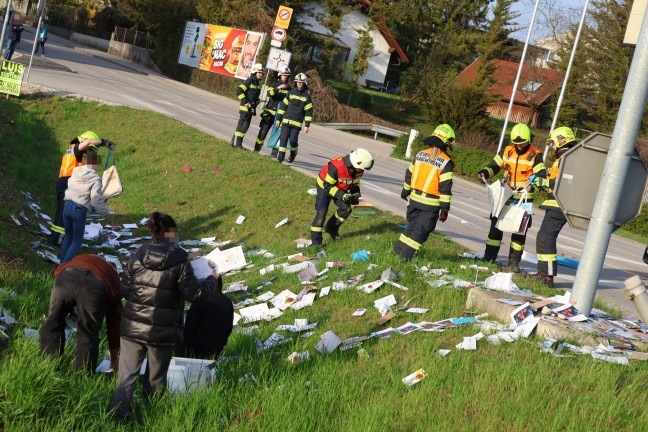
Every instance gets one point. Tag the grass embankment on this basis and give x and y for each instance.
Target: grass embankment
(507, 387)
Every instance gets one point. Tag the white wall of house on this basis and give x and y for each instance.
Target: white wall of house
(353, 21)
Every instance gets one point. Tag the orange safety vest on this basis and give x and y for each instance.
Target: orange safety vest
(344, 181)
(553, 174)
(69, 162)
(518, 167)
(427, 171)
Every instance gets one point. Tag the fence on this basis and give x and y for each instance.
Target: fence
(69, 18)
(133, 37)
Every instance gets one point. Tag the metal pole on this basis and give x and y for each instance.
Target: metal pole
(5, 22)
(567, 72)
(31, 58)
(610, 189)
(517, 78)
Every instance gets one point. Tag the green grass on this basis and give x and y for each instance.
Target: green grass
(508, 387)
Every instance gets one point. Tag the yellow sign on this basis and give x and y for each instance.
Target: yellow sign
(283, 17)
(11, 76)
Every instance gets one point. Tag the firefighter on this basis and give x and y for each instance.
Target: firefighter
(297, 108)
(276, 92)
(339, 180)
(560, 140)
(248, 94)
(72, 158)
(428, 185)
(518, 161)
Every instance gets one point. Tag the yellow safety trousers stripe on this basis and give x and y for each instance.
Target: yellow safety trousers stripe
(491, 242)
(547, 257)
(517, 246)
(409, 242)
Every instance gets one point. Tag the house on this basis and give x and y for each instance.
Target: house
(531, 102)
(388, 51)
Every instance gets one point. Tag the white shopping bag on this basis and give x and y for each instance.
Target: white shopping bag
(112, 185)
(498, 193)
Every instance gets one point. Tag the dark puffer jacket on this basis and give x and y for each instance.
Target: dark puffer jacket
(157, 281)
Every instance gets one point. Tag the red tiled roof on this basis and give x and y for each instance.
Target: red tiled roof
(387, 34)
(505, 73)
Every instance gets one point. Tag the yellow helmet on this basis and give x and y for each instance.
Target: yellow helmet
(562, 136)
(87, 135)
(520, 134)
(446, 133)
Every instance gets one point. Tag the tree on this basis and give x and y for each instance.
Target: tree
(364, 51)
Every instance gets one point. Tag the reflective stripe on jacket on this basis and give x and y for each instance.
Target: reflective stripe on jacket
(69, 162)
(336, 178)
(297, 108)
(518, 167)
(549, 183)
(276, 95)
(249, 92)
(429, 178)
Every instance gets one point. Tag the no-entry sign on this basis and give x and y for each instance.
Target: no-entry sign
(278, 34)
(283, 17)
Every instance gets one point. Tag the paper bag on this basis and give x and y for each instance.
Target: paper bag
(112, 185)
(498, 194)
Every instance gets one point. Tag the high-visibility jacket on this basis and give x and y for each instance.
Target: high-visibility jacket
(429, 178)
(71, 159)
(249, 91)
(518, 167)
(276, 95)
(550, 183)
(297, 108)
(336, 179)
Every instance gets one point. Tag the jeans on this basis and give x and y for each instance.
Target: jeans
(74, 218)
(80, 288)
(11, 47)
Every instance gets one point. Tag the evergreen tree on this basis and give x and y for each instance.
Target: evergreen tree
(364, 51)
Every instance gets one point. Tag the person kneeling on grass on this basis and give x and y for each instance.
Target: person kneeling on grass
(208, 325)
(92, 286)
(156, 282)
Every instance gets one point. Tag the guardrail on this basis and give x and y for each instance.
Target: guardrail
(366, 127)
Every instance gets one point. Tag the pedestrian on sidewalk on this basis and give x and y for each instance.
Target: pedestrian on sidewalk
(338, 181)
(91, 286)
(428, 185)
(156, 282)
(14, 39)
(248, 94)
(518, 161)
(42, 38)
(82, 195)
(277, 92)
(560, 140)
(297, 108)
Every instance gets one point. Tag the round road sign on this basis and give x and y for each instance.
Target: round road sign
(284, 14)
(278, 34)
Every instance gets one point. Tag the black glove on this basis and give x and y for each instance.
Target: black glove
(346, 197)
(111, 145)
(443, 215)
(104, 142)
(482, 175)
(405, 194)
(355, 199)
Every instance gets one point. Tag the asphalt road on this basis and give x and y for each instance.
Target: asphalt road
(75, 69)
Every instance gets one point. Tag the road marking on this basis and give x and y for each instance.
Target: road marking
(163, 102)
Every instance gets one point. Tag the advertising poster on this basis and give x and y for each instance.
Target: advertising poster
(229, 51)
(11, 75)
(192, 44)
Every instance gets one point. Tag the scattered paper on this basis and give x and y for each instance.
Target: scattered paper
(239, 220)
(362, 255)
(521, 313)
(130, 226)
(296, 357)
(325, 291)
(282, 222)
(407, 328)
(389, 300)
(328, 343)
(201, 268)
(227, 260)
(385, 318)
(265, 297)
(359, 312)
(443, 352)
(417, 310)
(415, 377)
(469, 344)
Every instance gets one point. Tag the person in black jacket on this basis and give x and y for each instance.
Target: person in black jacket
(16, 31)
(297, 109)
(156, 282)
(276, 94)
(208, 325)
(248, 93)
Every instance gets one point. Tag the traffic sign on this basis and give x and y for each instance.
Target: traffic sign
(577, 184)
(278, 34)
(283, 17)
(275, 43)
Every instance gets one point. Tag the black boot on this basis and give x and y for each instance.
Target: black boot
(257, 147)
(514, 265)
(293, 155)
(274, 153)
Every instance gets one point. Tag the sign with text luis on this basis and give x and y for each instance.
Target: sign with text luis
(229, 51)
(11, 76)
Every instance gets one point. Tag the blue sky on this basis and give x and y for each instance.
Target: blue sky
(571, 8)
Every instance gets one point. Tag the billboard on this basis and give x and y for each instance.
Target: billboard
(223, 50)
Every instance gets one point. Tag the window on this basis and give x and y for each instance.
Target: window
(531, 86)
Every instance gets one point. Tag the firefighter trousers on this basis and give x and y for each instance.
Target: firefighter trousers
(494, 241)
(335, 221)
(553, 222)
(57, 226)
(267, 120)
(287, 132)
(420, 224)
(245, 118)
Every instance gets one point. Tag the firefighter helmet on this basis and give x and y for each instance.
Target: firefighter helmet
(284, 70)
(301, 77)
(562, 136)
(361, 159)
(520, 134)
(87, 135)
(446, 133)
(257, 67)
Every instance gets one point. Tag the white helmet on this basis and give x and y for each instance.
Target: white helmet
(284, 70)
(361, 159)
(257, 67)
(301, 77)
